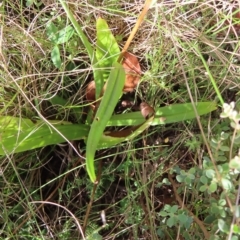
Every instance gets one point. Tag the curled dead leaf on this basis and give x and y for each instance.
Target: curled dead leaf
(90, 91)
(146, 110)
(122, 133)
(133, 71)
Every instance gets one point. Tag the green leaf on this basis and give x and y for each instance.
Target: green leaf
(224, 148)
(107, 52)
(160, 233)
(110, 98)
(180, 178)
(174, 209)
(64, 35)
(167, 208)
(163, 214)
(227, 185)
(51, 31)
(203, 179)
(182, 218)
(57, 100)
(210, 173)
(188, 223)
(210, 219)
(94, 236)
(171, 222)
(55, 56)
(191, 176)
(203, 188)
(223, 226)
(164, 115)
(222, 202)
(212, 187)
(192, 171)
(29, 3)
(19, 134)
(214, 208)
(186, 236)
(236, 229)
(221, 158)
(222, 212)
(188, 180)
(182, 112)
(235, 163)
(234, 237)
(215, 237)
(107, 49)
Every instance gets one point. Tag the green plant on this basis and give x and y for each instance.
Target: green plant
(34, 134)
(213, 187)
(58, 37)
(174, 216)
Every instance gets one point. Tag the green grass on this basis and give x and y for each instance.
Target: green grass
(173, 181)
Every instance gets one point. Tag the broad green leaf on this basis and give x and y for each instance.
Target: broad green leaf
(210, 219)
(64, 35)
(236, 229)
(224, 148)
(204, 179)
(203, 188)
(182, 218)
(107, 52)
(174, 209)
(19, 134)
(107, 49)
(110, 98)
(235, 163)
(180, 178)
(210, 173)
(223, 226)
(163, 214)
(222, 202)
(171, 222)
(169, 114)
(55, 56)
(226, 183)
(212, 187)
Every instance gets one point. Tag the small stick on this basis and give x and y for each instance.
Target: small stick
(147, 5)
(92, 196)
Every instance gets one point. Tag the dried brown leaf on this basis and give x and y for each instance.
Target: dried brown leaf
(146, 110)
(90, 91)
(122, 133)
(133, 71)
